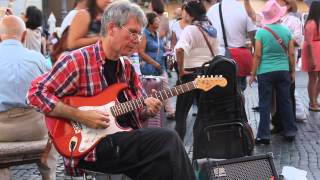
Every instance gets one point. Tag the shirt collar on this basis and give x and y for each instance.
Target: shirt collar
(11, 42)
(148, 32)
(101, 56)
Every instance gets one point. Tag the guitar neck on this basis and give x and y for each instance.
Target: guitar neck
(129, 106)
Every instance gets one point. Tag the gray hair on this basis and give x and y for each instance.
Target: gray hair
(119, 12)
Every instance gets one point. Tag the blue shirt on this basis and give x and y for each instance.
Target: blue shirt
(153, 41)
(18, 67)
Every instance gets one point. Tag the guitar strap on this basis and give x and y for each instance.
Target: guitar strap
(131, 80)
(113, 70)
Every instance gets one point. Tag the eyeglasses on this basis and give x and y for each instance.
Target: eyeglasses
(133, 36)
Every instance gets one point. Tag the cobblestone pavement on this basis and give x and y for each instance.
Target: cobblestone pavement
(304, 153)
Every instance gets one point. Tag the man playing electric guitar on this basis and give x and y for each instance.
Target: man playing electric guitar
(141, 154)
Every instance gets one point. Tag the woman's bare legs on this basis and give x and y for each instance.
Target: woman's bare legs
(317, 88)
(312, 89)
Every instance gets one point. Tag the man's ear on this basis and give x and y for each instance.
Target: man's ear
(110, 28)
(23, 36)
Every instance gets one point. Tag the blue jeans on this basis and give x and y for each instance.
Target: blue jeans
(280, 81)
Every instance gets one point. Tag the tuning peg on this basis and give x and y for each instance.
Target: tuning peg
(198, 76)
(220, 76)
(203, 76)
(211, 76)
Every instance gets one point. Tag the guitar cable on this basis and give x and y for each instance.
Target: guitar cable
(72, 147)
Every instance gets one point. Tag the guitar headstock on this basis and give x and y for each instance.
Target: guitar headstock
(208, 82)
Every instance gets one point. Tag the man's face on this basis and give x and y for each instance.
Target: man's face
(156, 23)
(127, 38)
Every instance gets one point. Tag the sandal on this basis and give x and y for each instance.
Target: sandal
(314, 108)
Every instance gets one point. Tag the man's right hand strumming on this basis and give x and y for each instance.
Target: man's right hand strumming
(91, 118)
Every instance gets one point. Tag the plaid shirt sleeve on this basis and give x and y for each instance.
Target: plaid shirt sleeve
(46, 90)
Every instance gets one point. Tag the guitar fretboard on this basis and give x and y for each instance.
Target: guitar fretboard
(128, 106)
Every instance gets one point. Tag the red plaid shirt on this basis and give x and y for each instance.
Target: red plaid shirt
(79, 73)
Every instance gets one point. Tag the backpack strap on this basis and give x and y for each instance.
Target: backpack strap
(222, 26)
(284, 47)
(207, 40)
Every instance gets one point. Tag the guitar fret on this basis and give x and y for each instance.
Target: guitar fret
(112, 111)
(175, 88)
(179, 89)
(131, 106)
(188, 89)
(127, 107)
(157, 95)
(138, 102)
(135, 106)
(184, 88)
(161, 96)
(193, 84)
(166, 93)
(115, 110)
(121, 109)
(142, 102)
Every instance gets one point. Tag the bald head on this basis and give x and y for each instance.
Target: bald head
(178, 13)
(12, 27)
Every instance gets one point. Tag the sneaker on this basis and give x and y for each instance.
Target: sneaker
(262, 141)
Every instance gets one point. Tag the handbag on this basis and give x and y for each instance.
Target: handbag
(241, 55)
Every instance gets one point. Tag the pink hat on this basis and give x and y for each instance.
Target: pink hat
(272, 12)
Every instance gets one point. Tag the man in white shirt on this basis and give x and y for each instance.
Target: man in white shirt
(236, 24)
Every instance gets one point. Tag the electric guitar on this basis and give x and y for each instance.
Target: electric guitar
(75, 140)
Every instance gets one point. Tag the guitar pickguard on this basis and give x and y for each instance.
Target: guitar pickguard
(90, 136)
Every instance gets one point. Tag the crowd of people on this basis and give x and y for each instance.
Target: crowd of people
(92, 52)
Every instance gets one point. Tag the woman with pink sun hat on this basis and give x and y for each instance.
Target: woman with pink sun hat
(274, 66)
